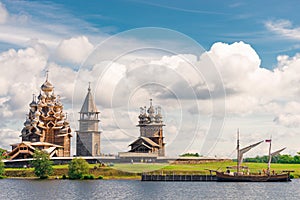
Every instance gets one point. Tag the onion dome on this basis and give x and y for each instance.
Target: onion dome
(140, 116)
(47, 86)
(37, 114)
(35, 121)
(33, 103)
(53, 96)
(27, 123)
(40, 96)
(141, 113)
(66, 123)
(157, 118)
(62, 115)
(158, 115)
(145, 114)
(151, 110)
(23, 131)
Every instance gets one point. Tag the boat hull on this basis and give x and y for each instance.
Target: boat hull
(223, 177)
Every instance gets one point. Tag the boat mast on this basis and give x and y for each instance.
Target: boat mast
(238, 151)
(270, 158)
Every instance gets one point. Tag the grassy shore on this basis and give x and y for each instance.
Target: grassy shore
(133, 171)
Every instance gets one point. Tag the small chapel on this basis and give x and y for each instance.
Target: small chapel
(46, 127)
(151, 138)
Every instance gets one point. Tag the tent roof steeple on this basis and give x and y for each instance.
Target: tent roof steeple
(89, 105)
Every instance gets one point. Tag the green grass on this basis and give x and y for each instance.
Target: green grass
(139, 167)
(18, 169)
(132, 171)
(202, 168)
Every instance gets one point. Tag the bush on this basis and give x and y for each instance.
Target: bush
(77, 168)
(88, 177)
(42, 164)
(43, 177)
(190, 155)
(1, 168)
(3, 153)
(275, 159)
(100, 177)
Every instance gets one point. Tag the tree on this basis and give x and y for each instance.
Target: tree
(42, 164)
(190, 155)
(1, 168)
(2, 153)
(77, 168)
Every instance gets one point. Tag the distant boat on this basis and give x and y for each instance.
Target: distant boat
(241, 176)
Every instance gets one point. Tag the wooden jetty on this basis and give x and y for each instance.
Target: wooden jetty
(177, 177)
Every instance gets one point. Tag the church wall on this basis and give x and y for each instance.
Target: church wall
(96, 144)
(88, 137)
(84, 144)
(88, 125)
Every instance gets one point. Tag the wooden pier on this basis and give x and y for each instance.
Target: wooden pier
(177, 177)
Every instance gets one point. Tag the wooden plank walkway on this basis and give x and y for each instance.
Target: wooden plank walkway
(176, 177)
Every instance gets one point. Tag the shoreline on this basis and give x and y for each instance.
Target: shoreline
(134, 171)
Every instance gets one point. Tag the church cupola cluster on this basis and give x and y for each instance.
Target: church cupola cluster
(154, 115)
(88, 135)
(46, 125)
(151, 138)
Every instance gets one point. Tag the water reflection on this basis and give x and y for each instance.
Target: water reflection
(129, 189)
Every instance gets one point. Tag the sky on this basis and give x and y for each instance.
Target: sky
(214, 67)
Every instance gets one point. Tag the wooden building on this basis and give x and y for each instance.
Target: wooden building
(151, 138)
(88, 135)
(45, 128)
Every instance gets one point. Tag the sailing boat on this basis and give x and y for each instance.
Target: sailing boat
(240, 176)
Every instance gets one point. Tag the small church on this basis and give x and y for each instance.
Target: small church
(88, 135)
(151, 140)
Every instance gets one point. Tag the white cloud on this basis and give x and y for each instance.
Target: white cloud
(3, 14)
(74, 50)
(8, 137)
(284, 28)
(20, 72)
(171, 80)
(288, 120)
(251, 90)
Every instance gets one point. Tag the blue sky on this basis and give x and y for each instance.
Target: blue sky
(254, 45)
(205, 21)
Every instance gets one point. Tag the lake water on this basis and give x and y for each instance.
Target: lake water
(131, 189)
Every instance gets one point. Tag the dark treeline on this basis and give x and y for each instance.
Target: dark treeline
(275, 159)
(190, 155)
